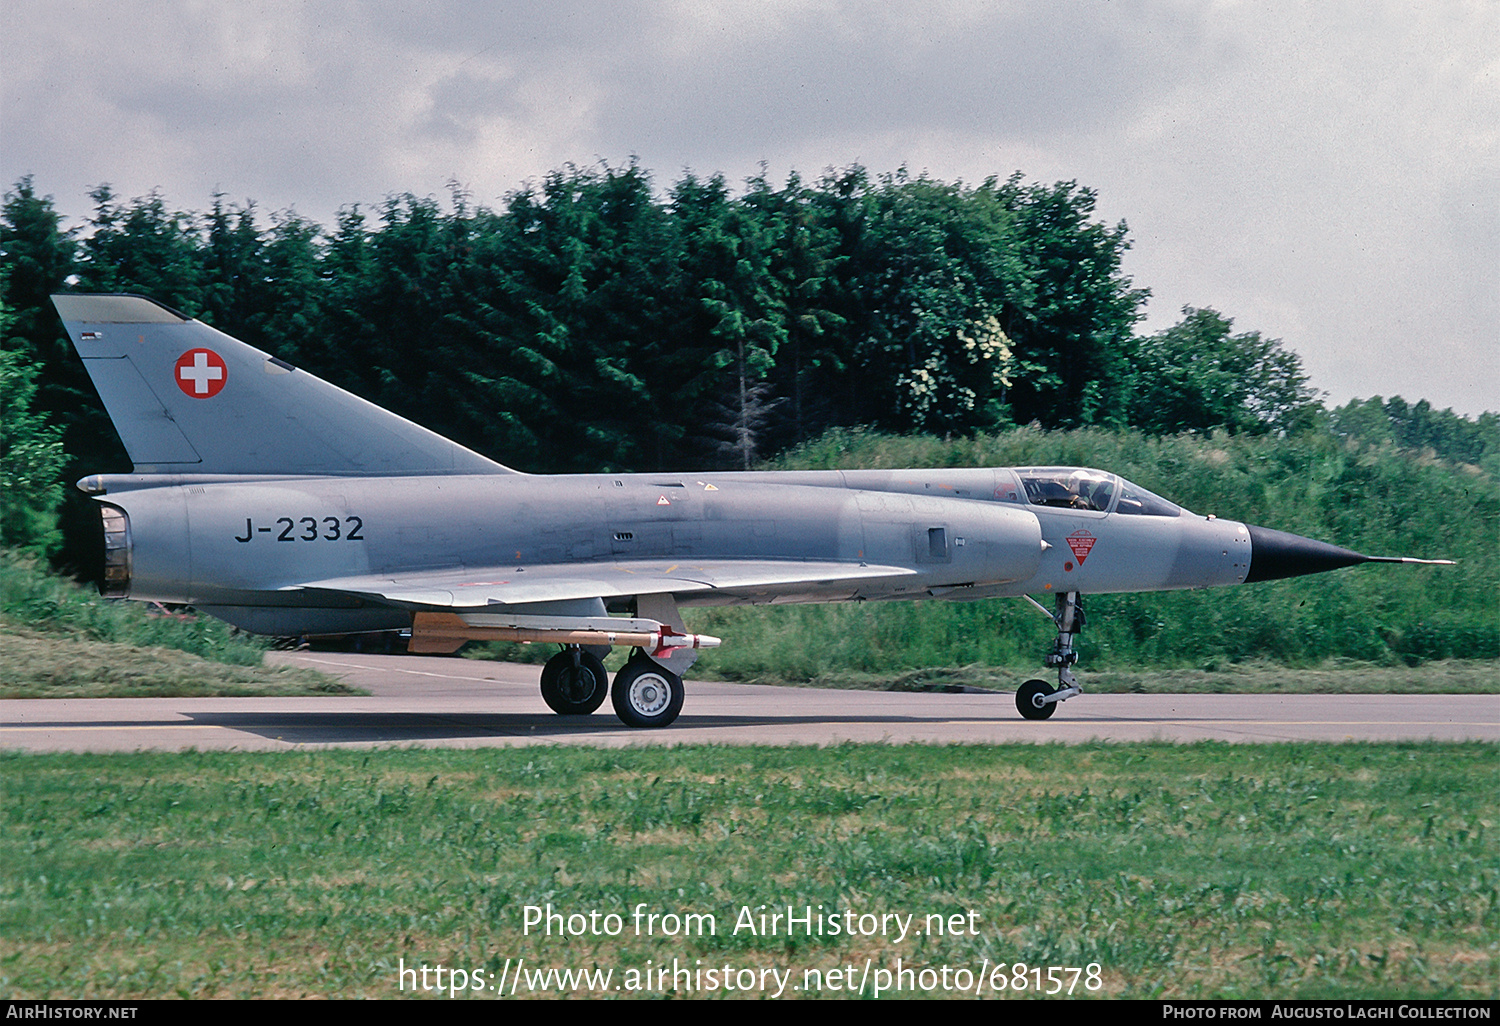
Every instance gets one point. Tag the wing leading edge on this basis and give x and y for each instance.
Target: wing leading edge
(480, 587)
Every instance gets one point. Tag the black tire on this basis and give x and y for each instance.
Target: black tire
(571, 690)
(646, 695)
(1026, 700)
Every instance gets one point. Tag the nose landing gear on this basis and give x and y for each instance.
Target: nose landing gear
(1036, 699)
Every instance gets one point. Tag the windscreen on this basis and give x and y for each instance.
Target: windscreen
(1093, 490)
(1136, 501)
(1068, 488)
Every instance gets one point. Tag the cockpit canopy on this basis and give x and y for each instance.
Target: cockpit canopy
(1095, 490)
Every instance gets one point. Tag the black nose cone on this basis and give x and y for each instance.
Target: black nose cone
(1278, 554)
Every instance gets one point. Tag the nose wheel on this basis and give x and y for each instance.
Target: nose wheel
(1036, 699)
(1031, 700)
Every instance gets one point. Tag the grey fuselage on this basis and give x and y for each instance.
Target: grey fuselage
(246, 548)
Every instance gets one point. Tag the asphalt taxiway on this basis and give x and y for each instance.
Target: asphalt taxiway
(432, 701)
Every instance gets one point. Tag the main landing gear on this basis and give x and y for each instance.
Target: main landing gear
(574, 682)
(1036, 699)
(645, 694)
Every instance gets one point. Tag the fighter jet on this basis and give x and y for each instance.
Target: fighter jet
(273, 500)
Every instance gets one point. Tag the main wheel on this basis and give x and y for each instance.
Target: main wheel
(1029, 700)
(574, 690)
(646, 695)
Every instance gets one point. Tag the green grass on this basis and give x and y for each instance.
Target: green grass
(1208, 870)
(1337, 677)
(35, 600)
(1375, 499)
(1378, 500)
(39, 665)
(64, 641)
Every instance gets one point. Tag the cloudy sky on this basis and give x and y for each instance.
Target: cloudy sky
(1325, 173)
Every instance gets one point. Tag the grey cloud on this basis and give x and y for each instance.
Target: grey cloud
(1027, 69)
(1316, 172)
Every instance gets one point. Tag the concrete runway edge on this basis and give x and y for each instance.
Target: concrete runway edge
(441, 702)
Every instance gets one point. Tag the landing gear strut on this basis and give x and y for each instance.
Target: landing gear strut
(1036, 699)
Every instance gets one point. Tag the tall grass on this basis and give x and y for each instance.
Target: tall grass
(35, 600)
(1378, 500)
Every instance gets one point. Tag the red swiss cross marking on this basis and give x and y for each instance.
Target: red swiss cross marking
(1082, 543)
(201, 373)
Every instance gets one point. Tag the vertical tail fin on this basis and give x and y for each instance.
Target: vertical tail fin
(187, 399)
